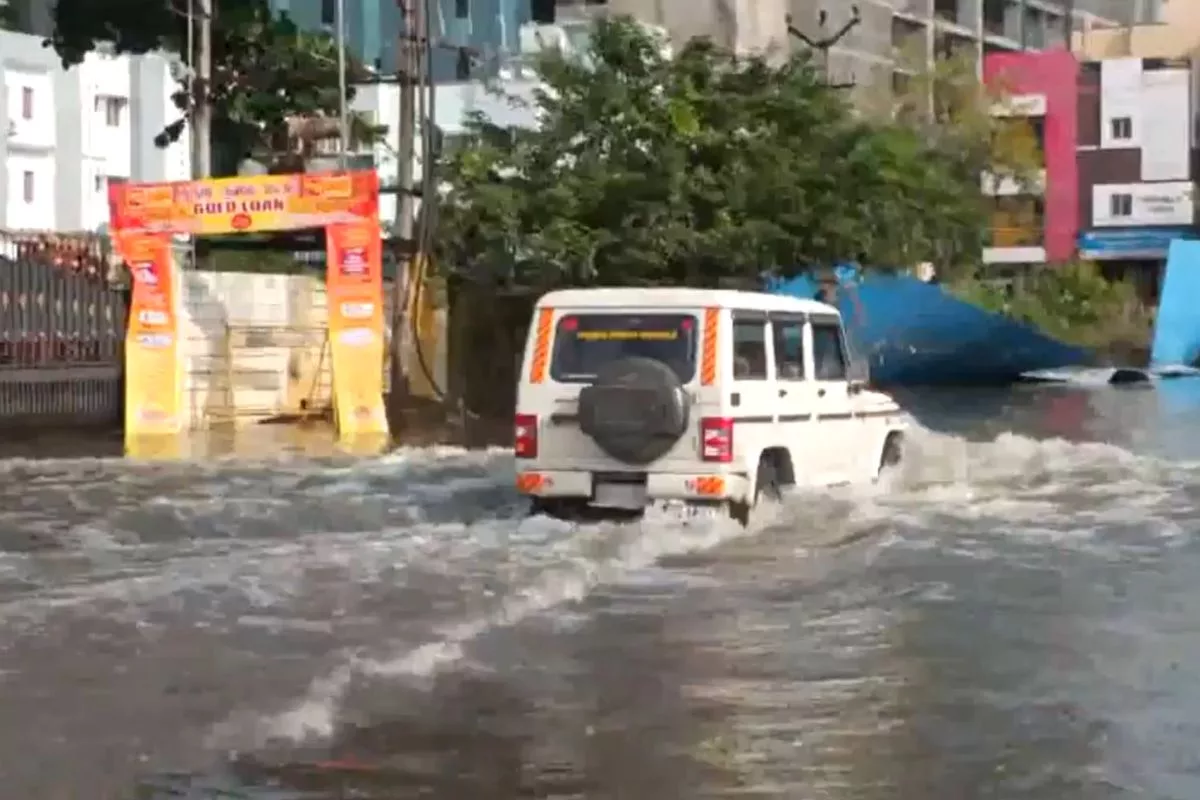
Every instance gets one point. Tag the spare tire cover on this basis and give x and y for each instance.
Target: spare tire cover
(635, 410)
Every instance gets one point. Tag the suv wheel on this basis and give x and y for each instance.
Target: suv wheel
(766, 487)
(893, 454)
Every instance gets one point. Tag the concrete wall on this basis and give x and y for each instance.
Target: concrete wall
(1175, 34)
(254, 347)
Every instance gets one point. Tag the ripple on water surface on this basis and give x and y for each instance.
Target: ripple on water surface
(1001, 621)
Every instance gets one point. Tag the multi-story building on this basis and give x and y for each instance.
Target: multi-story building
(372, 31)
(1139, 96)
(889, 34)
(1136, 157)
(1035, 221)
(1118, 138)
(66, 133)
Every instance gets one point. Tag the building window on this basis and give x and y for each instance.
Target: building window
(27, 186)
(98, 183)
(112, 108)
(26, 102)
(329, 12)
(462, 9)
(1120, 205)
(1122, 127)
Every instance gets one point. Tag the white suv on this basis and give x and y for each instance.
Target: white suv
(631, 396)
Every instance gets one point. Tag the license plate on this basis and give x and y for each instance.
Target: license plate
(620, 495)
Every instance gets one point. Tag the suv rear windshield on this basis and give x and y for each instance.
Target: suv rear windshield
(584, 343)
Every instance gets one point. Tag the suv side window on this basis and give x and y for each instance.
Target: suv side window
(789, 349)
(829, 355)
(749, 350)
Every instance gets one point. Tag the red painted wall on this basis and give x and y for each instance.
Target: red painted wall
(1054, 74)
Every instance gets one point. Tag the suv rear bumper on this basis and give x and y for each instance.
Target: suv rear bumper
(581, 484)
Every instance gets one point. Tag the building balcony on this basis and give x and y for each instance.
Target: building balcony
(1023, 244)
(994, 185)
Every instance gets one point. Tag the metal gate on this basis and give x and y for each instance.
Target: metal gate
(61, 344)
(239, 374)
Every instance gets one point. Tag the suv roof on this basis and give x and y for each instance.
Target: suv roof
(634, 297)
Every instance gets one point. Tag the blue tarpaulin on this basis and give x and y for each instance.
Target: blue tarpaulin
(914, 333)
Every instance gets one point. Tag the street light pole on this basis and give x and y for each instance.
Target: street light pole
(343, 113)
(202, 113)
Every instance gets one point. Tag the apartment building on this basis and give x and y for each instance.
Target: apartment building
(67, 133)
(1037, 221)
(1136, 155)
(1118, 138)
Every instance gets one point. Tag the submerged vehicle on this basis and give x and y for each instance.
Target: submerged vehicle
(630, 396)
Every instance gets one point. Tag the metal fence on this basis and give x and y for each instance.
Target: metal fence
(62, 328)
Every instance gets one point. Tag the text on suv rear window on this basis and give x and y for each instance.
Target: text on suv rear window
(584, 343)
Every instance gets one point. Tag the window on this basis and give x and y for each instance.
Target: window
(27, 186)
(749, 350)
(98, 183)
(329, 12)
(829, 357)
(789, 349)
(1122, 127)
(26, 102)
(585, 343)
(1120, 205)
(112, 107)
(462, 9)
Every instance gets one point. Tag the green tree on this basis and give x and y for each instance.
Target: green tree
(698, 169)
(266, 72)
(9, 16)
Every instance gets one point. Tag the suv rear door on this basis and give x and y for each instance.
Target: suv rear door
(576, 343)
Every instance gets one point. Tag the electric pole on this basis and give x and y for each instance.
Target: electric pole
(202, 111)
(411, 41)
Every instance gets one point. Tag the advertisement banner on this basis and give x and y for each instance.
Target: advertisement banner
(153, 391)
(354, 285)
(245, 204)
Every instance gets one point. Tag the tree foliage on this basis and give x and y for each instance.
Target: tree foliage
(698, 169)
(1072, 302)
(265, 69)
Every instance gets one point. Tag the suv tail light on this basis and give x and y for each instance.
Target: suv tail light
(716, 439)
(525, 435)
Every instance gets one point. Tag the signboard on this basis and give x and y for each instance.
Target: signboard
(1143, 204)
(153, 375)
(244, 204)
(143, 218)
(354, 280)
(1130, 243)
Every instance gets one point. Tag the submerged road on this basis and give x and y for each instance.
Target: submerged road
(1014, 618)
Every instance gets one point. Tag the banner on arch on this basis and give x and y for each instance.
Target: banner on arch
(354, 296)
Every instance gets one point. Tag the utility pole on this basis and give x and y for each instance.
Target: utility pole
(343, 113)
(411, 42)
(202, 112)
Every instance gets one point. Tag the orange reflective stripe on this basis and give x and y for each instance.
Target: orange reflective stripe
(708, 351)
(541, 346)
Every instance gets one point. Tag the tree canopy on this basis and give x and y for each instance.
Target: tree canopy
(265, 69)
(700, 169)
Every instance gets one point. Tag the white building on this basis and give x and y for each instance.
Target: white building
(66, 133)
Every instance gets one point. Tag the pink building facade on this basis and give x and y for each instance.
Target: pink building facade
(1043, 85)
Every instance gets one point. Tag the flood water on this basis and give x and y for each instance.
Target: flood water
(1015, 616)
